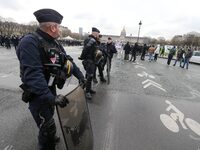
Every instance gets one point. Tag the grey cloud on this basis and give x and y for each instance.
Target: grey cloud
(10, 4)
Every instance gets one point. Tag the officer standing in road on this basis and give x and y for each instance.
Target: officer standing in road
(111, 49)
(88, 55)
(43, 66)
(102, 60)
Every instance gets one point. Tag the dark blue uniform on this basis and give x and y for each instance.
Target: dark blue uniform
(88, 57)
(34, 76)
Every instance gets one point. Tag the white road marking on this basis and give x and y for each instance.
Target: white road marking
(144, 74)
(195, 93)
(9, 147)
(169, 123)
(138, 66)
(194, 138)
(149, 82)
(4, 75)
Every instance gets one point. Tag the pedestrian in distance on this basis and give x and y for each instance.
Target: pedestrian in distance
(179, 56)
(162, 51)
(172, 52)
(188, 55)
(44, 65)
(127, 49)
(134, 50)
(144, 50)
(156, 52)
(151, 51)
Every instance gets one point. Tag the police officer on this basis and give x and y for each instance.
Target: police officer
(102, 60)
(111, 49)
(43, 66)
(88, 55)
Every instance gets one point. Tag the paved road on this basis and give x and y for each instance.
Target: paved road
(130, 113)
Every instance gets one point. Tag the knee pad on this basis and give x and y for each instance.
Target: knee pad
(48, 129)
(89, 77)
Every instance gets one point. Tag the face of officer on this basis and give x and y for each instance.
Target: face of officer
(56, 32)
(99, 37)
(109, 41)
(53, 29)
(96, 34)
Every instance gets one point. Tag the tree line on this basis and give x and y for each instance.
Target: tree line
(9, 28)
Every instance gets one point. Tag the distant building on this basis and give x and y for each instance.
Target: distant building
(123, 38)
(80, 31)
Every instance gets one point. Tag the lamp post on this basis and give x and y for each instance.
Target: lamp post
(140, 23)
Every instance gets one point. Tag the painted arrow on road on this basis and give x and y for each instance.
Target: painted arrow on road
(144, 74)
(149, 82)
(138, 66)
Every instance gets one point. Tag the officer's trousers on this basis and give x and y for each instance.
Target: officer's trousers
(43, 116)
(89, 67)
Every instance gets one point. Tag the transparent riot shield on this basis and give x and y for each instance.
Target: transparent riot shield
(75, 121)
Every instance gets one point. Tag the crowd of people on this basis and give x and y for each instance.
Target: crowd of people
(7, 41)
(182, 54)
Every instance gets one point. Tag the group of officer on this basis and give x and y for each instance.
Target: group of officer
(45, 66)
(94, 55)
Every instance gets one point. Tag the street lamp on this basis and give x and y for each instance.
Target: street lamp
(140, 23)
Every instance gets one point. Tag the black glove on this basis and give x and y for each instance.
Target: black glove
(80, 58)
(82, 82)
(61, 100)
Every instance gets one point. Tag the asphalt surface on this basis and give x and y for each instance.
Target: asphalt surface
(128, 114)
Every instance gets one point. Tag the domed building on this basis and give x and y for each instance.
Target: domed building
(123, 33)
(123, 38)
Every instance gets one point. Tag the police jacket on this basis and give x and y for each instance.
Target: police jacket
(32, 70)
(90, 46)
(127, 48)
(111, 49)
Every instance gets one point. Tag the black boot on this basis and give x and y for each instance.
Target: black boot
(88, 96)
(92, 92)
(56, 139)
(103, 80)
(95, 80)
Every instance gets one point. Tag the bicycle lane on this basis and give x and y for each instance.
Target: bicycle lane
(181, 101)
(129, 111)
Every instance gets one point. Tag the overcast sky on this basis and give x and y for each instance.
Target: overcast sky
(160, 18)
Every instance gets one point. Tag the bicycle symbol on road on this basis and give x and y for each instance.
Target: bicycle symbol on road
(170, 121)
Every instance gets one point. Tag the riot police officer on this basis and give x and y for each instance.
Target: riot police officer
(111, 49)
(44, 65)
(89, 54)
(102, 60)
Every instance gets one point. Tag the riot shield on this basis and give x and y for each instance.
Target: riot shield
(75, 121)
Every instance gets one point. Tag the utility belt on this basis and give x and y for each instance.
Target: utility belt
(87, 62)
(27, 95)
